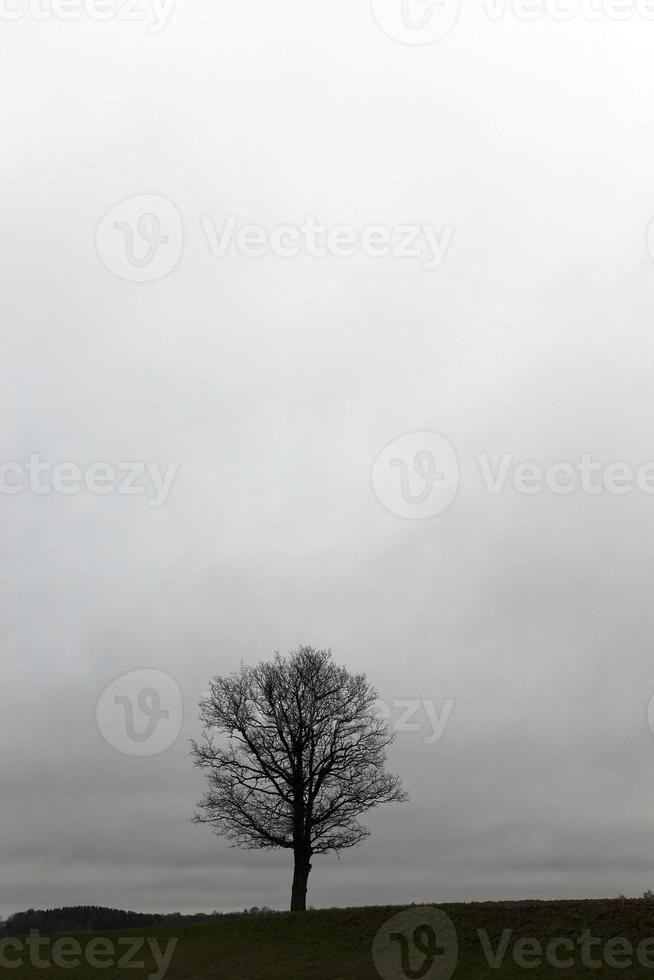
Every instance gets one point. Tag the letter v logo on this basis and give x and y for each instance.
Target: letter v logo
(416, 21)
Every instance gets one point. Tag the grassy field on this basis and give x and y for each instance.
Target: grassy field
(336, 944)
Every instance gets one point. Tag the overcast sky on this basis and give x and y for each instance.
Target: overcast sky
(271, 385)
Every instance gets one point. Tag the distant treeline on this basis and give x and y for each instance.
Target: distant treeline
(89, 918)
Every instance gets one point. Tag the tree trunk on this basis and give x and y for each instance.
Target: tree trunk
(301, 872)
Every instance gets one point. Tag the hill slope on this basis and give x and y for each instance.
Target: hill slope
(594, 939)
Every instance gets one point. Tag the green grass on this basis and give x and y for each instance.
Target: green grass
(335, 944)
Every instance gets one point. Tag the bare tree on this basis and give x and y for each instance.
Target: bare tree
(304, 759)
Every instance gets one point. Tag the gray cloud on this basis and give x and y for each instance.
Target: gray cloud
(275, 383)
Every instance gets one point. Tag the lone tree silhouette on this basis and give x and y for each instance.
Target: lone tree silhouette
(305, 758)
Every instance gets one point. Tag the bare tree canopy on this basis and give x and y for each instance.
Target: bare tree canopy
(305, 758)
